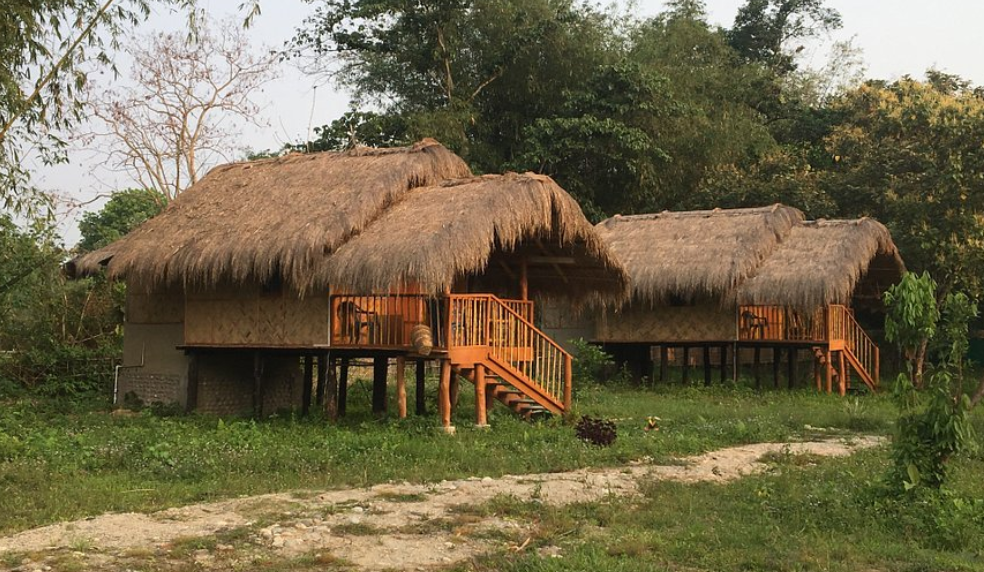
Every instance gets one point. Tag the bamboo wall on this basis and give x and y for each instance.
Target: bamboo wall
(642, 323)
(247, 316)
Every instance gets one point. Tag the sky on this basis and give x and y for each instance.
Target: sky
(897, 37)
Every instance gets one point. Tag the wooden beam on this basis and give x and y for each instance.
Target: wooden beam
(319, 390)
(306, 386)
(401, 386)
(554, 265)
(569, 383)
(724, 364)
(842, 382)
(507, 270)
(829, 366)
(419, 393)
(817, 378)
(757, 367)
(481, 413)
(791, 368)
(444, 395)
(664, 355)
(257, 385)
(707, 366)
(776, 362)
(686, 365)
(331, 391)
(380, 365)
(343, 386)
(191, 402)
(524, 280)
(455, 388)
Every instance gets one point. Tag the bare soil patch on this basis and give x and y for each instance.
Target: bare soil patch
(391, 526)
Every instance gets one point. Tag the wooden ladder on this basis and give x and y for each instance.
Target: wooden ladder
(508, 358)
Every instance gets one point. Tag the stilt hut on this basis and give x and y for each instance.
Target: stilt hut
(710, 288)
(251, 286)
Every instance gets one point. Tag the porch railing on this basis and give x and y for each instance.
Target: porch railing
(777, 323)
(844, 329)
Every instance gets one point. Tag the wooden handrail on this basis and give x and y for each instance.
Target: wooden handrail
(845, 328)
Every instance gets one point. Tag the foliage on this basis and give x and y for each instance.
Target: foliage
(953, 342)
(69, 458)
(910, 155)
(53, 331)
(357, 128)
(46, 46)
(176, 118)
(591, 363)
(932, 428)
(763, 29)
(124, 211)
(600, 432)
(911, 319)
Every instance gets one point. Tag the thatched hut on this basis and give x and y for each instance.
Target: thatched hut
(365, 253)
(764, 279)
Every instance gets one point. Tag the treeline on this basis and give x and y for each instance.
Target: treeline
(639, 115)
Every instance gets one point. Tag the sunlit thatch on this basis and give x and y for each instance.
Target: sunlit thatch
(695, 254)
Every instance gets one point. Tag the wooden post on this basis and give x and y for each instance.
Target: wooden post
(192, 401)
(524, 285)
(401, 386)
(380, 365)
(306, 387)
(444, 395)
(257, 385)
(481, 413)
(757, 367)
(791, 372)
(568, 384)
(455, 389)
(419, 394)
(343, 386)
(664, 356)
(331, 391)
(686, 364)
(724, 364)
(816, 372)
(322, 375)
(776, 358)
(829, 359)
(707, 366)
(842, 382)
(877, 366)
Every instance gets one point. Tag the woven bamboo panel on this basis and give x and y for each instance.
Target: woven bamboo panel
(667, 324)
(246, 316)
(161, 307)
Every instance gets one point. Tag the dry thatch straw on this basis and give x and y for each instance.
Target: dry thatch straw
(481, 225)
(695, 254)
(254, 221)
(822, 263)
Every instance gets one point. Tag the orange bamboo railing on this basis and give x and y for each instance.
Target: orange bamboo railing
(843, 328)
(384, 320)
(485, 320)
(778, 323)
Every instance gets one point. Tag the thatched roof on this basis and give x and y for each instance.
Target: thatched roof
(366, 221)
(435, 234)
(255, 220)
(695, 254)
(822, 263)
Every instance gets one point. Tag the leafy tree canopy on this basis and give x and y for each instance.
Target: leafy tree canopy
(124, 211)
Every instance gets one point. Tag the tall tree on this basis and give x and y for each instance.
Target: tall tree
(44, 45)
(910, 155)
(765, 31)
(178, 118)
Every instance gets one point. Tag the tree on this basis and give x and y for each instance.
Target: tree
(124, 211)
(911, 156)
(44, 46)
(470, 73)
(178, 118)
(764, 29)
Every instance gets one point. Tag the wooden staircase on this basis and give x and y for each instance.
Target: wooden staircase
(851, 350)
(494, 345)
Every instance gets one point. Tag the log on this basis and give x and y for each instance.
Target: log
(422, 339)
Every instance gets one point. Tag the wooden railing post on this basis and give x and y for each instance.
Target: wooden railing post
(877, 366)
(481, 403)
(568, 383)
(444, 396)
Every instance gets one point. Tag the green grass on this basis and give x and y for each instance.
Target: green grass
(65, 460)
(832, 516)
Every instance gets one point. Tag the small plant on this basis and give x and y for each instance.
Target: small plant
(591, 363)
(600, 432)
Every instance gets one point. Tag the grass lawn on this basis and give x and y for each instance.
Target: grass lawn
(63, 460)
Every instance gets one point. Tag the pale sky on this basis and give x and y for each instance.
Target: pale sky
(897, 37)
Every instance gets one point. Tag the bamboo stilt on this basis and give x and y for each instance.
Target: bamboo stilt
(401, 386)
(444, 396)
(481, 403)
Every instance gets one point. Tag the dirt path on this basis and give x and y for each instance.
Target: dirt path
(389, 526)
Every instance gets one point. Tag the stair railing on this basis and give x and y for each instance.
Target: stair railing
(486, 320)
(845, 328)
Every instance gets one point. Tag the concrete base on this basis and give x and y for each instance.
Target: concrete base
(450, 430)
